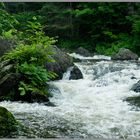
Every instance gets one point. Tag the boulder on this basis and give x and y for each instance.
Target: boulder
(8, 124)
(136, 87)
(5, 46)
(83, 52)
(62, 62)
(75, 73)
(133, 100)
(8, 83)
(34, 97)
(125, 54)
(6, 68)
(38, 97)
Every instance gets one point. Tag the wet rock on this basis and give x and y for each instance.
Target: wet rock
(76, 60)
(32, 97)
(83, 52)
(8, 124)
(54, 90)
(75, 73)
(5, 46)
(136, 87)
(133, 100)
(125, 54)
(133, 77)
(8, 83)
(6, 68)
(62, 62)
(50, 104)
(38, 97)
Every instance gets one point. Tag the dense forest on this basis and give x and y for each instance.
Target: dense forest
(100, 27)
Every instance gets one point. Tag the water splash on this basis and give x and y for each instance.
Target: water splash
(90, 107)
(97, 57)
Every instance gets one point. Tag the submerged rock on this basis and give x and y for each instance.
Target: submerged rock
(125, 54)
(75, 73)
(83, 52)
(136, 87)
(134, 100)
(62, 62)
(8, 124)
(133, 77)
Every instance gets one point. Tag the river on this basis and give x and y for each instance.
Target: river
(92, 107)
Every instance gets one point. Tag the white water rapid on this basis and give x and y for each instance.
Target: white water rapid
(92, 107)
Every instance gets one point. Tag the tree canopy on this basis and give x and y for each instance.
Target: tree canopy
(103, 27)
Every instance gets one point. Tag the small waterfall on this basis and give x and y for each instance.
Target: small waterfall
(91, 107)
(66, 75)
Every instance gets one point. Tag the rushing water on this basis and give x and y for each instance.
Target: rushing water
(88, 107)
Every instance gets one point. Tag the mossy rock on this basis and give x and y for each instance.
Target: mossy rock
(8, 124)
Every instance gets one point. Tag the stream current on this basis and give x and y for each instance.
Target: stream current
(92, 107)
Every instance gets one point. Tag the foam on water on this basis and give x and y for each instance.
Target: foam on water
(89, 107)
(91, 57)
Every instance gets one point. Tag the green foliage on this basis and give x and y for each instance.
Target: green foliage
(95, 26)
(122, 41)
(73, 44)
(34, 34)
(136, 34)
(28, 53)
(90, 25)
(22, 18)
(36, 75)
(83, 12)
(33, 50)
(33, 45)
(7, 21)
(10, 34)
(35, 78)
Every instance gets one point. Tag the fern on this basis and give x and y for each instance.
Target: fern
(30, 55)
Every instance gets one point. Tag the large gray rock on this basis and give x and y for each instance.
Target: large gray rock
(136, 87)
(125, 54)
(5, 46)
(8, 83)
(75, 74)
(62, 62)
(83, 52)
(6, 68)
(8, 124)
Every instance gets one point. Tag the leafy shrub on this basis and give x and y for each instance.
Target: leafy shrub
(7, 22)
(35, 78)
(28, 53)
(32, 52)
(73, 44)
(122, 41)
